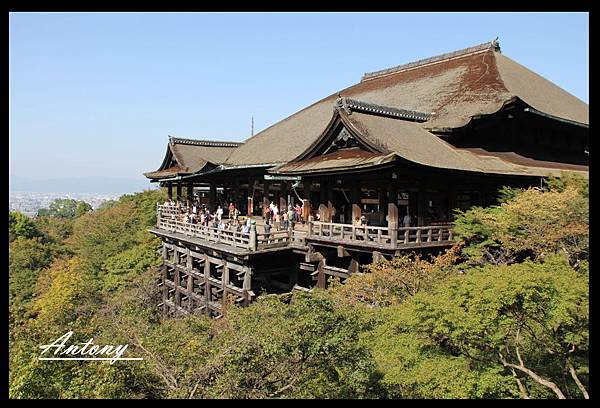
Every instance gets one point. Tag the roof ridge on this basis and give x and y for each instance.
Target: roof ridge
(491, 45)
(349, 105)
(207, 143)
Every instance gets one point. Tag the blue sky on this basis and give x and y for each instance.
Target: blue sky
(96, 94)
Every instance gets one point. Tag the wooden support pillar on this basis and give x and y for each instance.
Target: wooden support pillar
(392, 215)
(266, 187)
(283, 192)
(321, 278)
(250, 197)
(170, 190)
(355, 202)
(420, 206)
(207, 289)
(378, 256)
(177, 278)
(247, 284)
(190, 192)
(306, 204)
(212, 197)
(179, 197)
(224, 283)
(165, 288)
(382, 199)
(236, 192)
(329, 203)
(190, 281)
(354, 266)
(451, 202)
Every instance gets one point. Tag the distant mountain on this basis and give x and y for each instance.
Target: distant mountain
(93, 184)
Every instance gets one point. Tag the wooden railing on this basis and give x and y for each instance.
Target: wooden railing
(210, 234)
(380, 236)
(370, 236)
(168, 219)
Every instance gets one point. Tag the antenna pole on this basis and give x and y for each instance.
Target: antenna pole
(252, 131)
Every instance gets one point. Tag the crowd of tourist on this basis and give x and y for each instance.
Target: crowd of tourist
(196, 213)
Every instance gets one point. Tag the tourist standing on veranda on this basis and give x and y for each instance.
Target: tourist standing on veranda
(219, 214)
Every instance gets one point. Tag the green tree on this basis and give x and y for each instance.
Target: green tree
(533, 224)
(20, 225)
(529, 320)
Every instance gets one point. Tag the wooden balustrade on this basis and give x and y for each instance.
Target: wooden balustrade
(340, 233)
(380, 236)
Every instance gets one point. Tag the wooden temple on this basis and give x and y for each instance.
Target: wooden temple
(420, 139)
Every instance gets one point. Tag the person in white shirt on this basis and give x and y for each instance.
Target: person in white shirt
(219, 213)
(406, 220)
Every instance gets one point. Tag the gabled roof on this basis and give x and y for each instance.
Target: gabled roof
(188, 156)
(387, 138)
(451, 87)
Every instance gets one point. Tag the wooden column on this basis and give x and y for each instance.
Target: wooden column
(266, 187)
(306, 204)
(451, 202)
(212, 197)
(236, 192)
(382, 198)
(355, 201)
(190, 281)
(392, 214)
(207, 290)
(250, 197)
(170, 190)
(329, 194)
(323, 209)
(165, 288)
(177, 278)
(420, 206)
(190, 192)
(283, 192)
(179, 197)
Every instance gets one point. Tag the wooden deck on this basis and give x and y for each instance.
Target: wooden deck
(314, 232)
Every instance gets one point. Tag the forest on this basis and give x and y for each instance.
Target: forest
(504, 313)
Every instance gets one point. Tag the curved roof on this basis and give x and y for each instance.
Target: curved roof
(397, 138)
(453, 87)
(188, 156)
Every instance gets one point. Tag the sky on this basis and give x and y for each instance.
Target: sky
(97, 94)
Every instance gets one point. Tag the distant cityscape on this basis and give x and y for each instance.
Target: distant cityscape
(29, 203)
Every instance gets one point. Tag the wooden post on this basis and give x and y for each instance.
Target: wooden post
(207, 290)
(266, 186)
(323, 200)
(190, 281)
(310, 225)
(393, 223)
(420, 207)
(176, 278)
(306, 210)
(355, 201)
(321, 278)
(212, 197)
(236, 192)
(170, 190)
(179, 198)
(451, 202)
(253, 238)
(165, 288)
(250, 197)
(283, 190)
(190, 193)
(224, 283)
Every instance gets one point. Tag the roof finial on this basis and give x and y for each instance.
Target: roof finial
(252, 129)
(496, 44)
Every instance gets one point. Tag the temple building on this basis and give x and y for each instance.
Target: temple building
(377, 168)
